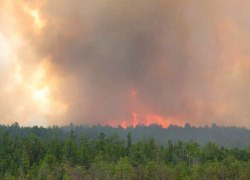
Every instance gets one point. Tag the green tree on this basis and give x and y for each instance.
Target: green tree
(124, 170)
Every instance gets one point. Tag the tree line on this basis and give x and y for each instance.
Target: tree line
(223, 136)
(37, 155)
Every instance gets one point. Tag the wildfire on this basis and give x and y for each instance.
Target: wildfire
(149, 120)
(142, 116)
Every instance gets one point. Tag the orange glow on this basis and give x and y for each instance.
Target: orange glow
(34, 13)
(60, 61)
(31, 80)
(135, 119)
(41, 88)
(147, 121)
(144, 117)
(5, 48)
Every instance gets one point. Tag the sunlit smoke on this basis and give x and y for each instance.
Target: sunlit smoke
(38, 22)
(29, 84)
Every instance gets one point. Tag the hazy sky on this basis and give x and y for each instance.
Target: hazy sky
(125, 62)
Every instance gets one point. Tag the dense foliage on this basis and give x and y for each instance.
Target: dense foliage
(40, 153)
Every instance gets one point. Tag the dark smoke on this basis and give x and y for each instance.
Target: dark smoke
(184, 59)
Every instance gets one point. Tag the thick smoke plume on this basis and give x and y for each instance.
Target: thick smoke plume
(124, 62)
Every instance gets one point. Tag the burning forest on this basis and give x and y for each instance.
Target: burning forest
(124, 62)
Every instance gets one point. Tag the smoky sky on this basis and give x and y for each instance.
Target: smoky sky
(185, 59)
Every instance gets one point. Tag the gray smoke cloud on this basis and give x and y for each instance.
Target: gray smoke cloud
(187, 60)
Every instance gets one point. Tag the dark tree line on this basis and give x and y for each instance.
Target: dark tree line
(40, 153)
(223, 136)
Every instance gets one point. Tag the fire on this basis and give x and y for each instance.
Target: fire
(135, 119)
(142, 116)
(147, 120)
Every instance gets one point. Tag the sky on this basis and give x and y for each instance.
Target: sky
(125, 62)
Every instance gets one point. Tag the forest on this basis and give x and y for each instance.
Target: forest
(101, 152)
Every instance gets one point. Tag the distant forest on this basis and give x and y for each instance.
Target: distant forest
(141, 153)
(223, 136)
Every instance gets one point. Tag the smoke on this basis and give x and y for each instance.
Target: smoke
(103, 61)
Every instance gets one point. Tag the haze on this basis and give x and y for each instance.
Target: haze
(125, 62)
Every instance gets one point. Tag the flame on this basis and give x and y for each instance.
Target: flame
(135, 119)
(142, 116)
(147, 120)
